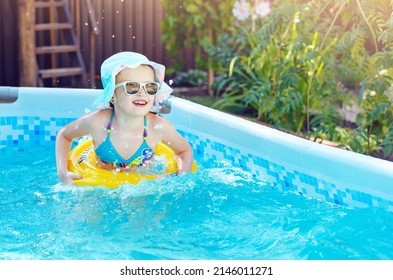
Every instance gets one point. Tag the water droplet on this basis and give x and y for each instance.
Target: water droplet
(113, 36)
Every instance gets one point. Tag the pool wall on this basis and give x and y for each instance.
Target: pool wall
(288, 162)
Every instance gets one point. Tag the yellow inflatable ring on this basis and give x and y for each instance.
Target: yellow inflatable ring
(82, 160)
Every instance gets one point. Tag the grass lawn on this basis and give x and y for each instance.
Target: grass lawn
(203, 100)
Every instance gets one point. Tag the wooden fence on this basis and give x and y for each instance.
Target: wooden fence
(132, 25)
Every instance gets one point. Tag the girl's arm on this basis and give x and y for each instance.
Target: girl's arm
(179, 145)
(77, 128)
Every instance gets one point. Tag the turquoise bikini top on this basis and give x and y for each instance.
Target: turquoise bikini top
(107, 153)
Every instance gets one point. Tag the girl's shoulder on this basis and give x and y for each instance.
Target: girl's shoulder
(99, 114)
(97, 117)
(159, 126)
(155, 119)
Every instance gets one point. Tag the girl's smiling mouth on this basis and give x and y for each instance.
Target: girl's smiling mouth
(139, 102)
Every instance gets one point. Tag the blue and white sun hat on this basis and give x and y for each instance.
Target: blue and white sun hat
(117, 62)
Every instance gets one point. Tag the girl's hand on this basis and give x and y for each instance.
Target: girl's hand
(69, 177)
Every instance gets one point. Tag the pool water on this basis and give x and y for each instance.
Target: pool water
(220, 212)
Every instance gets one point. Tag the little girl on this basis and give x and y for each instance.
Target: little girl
(125, 133)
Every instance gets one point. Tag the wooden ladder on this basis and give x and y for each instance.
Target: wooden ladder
(57, 50)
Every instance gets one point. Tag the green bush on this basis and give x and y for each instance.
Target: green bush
(295, 66)
(191, 78)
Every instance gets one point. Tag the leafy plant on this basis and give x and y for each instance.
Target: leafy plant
(191, 78)
(376, 112)
(306, 59)
(295, 67)
(281, 77)
(375, 118)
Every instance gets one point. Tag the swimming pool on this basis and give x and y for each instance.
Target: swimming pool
(260, 193)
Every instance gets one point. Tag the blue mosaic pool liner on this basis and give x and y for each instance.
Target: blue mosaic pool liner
(23, 132)
(29, 131)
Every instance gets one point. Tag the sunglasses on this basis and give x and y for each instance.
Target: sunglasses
(135, 87)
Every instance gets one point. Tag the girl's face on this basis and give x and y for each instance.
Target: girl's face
(140, 103)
